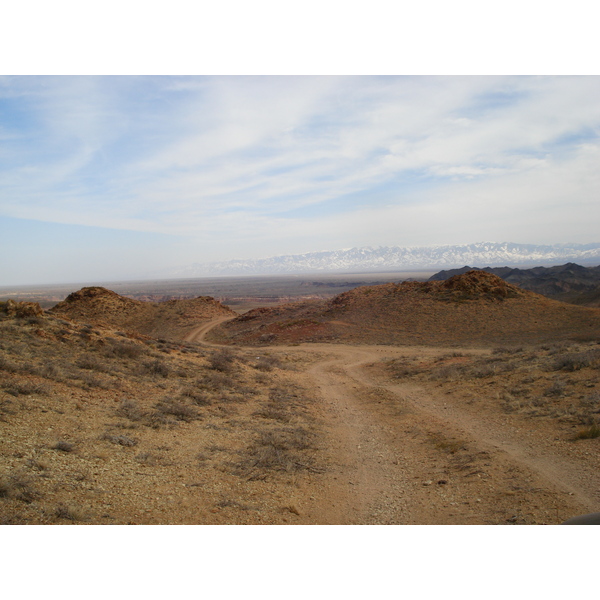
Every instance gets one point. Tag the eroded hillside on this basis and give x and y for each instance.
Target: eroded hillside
(472, 308)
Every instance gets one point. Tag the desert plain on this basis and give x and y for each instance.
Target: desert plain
(469, 401)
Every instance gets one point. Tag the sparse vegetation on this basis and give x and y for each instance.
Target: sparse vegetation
(19, 486)
(589, 433)
(150, 429)
(129, 409)
(223, 361)
(519, 379)
(182, 412)
(157, 368)
(64, 446)
(281, 449)
(70, 512)
(451, 446)
(120, 440)
(75, 376)
(557, 388)
(26, 388)
(122, 349)
(574, 361)
(268, 363)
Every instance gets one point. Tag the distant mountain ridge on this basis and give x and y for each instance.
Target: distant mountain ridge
(400, 258)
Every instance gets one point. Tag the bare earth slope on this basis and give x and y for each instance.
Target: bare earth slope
(473, 308)
(172, 319)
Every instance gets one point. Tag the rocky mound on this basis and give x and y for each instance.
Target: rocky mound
(568, 283)
(477, 285)
(21, 309)
(474, 286)
(473, 308)
(170, 320)
(99, 305)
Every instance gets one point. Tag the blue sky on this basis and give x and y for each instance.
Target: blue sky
(123, 177)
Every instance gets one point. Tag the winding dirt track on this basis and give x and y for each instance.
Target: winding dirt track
(386, 470)
(199, 333)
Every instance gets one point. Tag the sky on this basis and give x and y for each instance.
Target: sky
(123, 177)
(106, 177)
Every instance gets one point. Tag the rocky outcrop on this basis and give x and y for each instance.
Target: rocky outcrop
(21, 309)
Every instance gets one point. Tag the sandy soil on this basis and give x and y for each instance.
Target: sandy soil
(100, 426)
(402, 454)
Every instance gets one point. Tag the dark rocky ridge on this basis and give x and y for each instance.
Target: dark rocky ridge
(569, 282)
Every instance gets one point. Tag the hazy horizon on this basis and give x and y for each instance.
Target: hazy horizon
(384, 271)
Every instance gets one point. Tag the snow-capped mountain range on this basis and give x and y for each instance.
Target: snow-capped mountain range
(395, 258)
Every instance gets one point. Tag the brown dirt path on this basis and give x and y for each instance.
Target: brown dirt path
(199, 333)
(399, 455)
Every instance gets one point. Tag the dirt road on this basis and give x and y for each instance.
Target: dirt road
(401, 455)
(199, 333)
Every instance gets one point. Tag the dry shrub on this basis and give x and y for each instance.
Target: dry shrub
(26, 388)
(156, 367)
(119, 440)
(268, 363)
(52, 371)
(557, 389)
(148, 459)
(223, 361)
(122, 349)
(8, 365)
(71, 512)
(403, 368)
(505, 350)
(447, 373)
(19, 486)
(575, 361)
(274, 412)
(215, 382)
(588, 433)
(130, 410)
(182, 412)
(93, 363)
(591, 403)
(64, 446)
(6, 407)
(280, 449)
(199, 398)
(450, 445)
(229, 503)
(89, 381)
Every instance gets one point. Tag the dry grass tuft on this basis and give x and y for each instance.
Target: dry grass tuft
(119, 440)
(19, 486)
(589, 433)
(71, 512)
(64, 446)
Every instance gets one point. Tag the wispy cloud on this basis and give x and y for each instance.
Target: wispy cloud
(305, 163)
